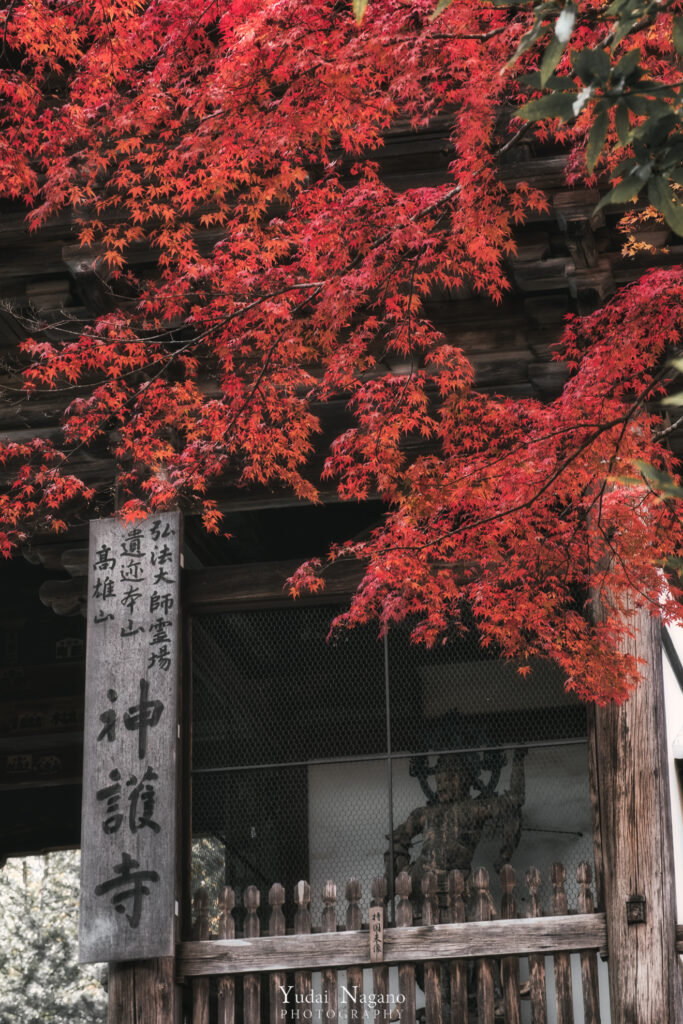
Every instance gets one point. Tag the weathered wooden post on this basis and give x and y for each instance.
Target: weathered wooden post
(631, 783)
(129, 864)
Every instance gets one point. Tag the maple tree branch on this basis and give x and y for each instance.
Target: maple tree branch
(670, 429)
(625, 569)
(519, 134)
(556, 473)
(482, 36)
(8, 18)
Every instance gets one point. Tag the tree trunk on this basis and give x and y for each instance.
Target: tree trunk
(632, 787)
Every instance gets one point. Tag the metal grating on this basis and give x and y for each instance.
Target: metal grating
(309, 754)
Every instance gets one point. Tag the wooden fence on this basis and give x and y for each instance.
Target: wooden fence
(461, 953)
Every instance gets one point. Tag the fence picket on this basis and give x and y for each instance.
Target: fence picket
(539, 1010)
(483, 912)
(458, 968)
(277, 979)
(329, 974)
(432, 968)
(589, 960)
(302, 926)
(252, 982)
(404, 919)
(226, 986)
(200, 931)
(509, 965)
(562, 962)
(354, 923)
(380, 974)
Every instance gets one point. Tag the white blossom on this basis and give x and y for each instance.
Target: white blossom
(581, 100)
(564, 26)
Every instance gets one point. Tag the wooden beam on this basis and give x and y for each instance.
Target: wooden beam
(262, 583)
(432, 942)
(143, 990)
(636, 842)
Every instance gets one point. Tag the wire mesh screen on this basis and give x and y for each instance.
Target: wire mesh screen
(317, 759)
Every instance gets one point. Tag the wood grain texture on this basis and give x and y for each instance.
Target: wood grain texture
(635, 827)
(562, 963)
(458, 968)
(329, 974)
(483, 912)
(142, 991)
(539, 1009)
(380, 973)
(432, 968)
(128, 850)
(252, 982)
(305, 952)
(302, 927)
(509, 965)
(404, 919)
(589, 960)
(226, 986)
(354, 923)
(200, 986)
(595, 805)
(277, 979)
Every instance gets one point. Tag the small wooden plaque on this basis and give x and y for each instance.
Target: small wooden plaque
(376, 934)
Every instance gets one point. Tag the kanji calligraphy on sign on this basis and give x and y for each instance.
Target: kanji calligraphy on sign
(130, 740)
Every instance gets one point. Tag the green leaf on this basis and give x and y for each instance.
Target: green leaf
(537, 30)
(592, 66)
(627, 65)
(596, 140)
(617, 6)
(657, 127)
(621, 193)
(674, 565)
(551, 58)
(641, 151)
(637, 103)
(676, 175)
(558, 104)
(672, 155)
(623, 125)
(624, 168)
(627, 24)
(440, 7)
(359, 7)
(659, 481)
(559, 83)
(660, 195)
(678, 35)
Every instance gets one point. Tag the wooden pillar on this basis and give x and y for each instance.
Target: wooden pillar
(142, 990)
(630, 778)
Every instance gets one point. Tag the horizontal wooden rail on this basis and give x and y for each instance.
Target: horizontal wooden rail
(441, 941)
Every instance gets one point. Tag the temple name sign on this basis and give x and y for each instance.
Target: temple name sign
(128, 837)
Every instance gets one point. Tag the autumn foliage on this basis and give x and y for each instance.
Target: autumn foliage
(237, 141)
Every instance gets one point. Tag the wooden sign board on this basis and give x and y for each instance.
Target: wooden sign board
(128, 838)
